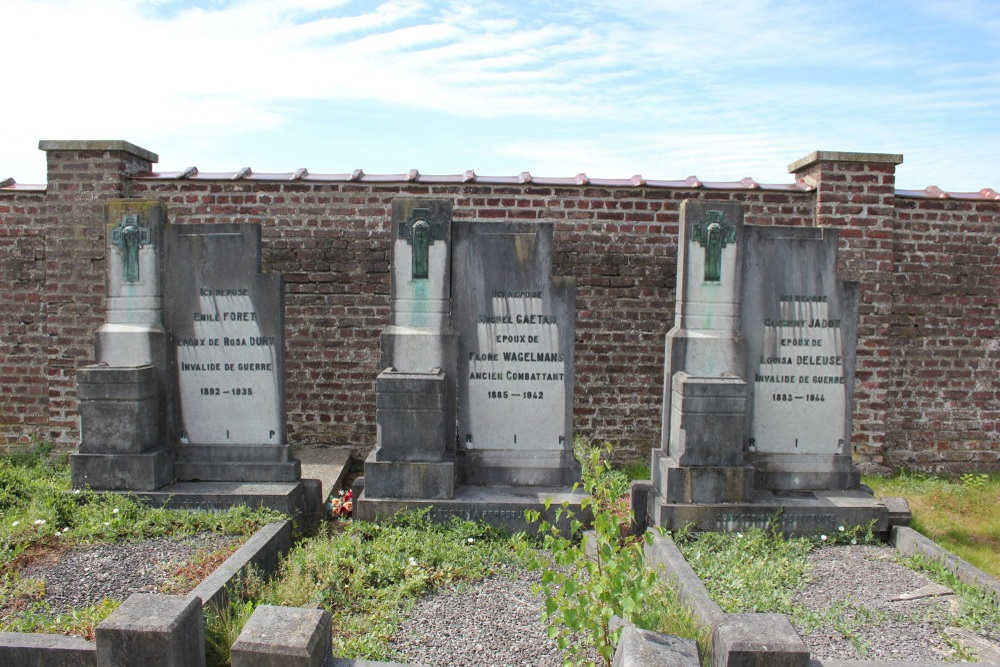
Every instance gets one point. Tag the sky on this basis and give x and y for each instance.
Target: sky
(720, 89)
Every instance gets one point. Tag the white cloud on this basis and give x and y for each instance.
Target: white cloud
(730, 87)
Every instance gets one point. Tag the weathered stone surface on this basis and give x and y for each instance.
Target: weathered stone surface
(146, 471)
(515, 361)
(119, 410)
(806, 513)
(704, 340)
(644, 648)
(226, 323)
(707, 420)
(423, 480)
(263, 552)
(757, 640)
(301, 499)
(154, 631)
(42, 650)
(410, 415)
(499, 506)
(800, 326)
(284, 637)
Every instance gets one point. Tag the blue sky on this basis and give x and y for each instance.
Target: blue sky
(721, 89)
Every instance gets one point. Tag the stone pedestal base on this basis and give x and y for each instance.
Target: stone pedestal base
(804, 472)
(410, 417)
(301, 499)
(123, 472)
(409, 479)
(507, 467)
(236, 463)
(501, 506)
(805, 513)
(707, 419)
(701, 484)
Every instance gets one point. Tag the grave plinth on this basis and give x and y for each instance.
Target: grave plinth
(504, 373)
(758, 383)
(189, 382)
(123, 444)
(414, 456)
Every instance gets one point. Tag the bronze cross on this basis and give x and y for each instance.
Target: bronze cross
(129, 236)
(713, 235)
(420, 233)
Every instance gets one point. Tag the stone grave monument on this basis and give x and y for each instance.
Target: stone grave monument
(475, 399)
(185, 406)
(758, 383)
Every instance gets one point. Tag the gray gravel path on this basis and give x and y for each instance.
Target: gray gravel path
(857, 585)
(494, 623)
(85, 576)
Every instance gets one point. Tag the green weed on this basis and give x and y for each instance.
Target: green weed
(602, 575)
(367, 575)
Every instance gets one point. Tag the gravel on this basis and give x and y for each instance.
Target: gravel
(85, 576)
(494, 623)
(860, 583)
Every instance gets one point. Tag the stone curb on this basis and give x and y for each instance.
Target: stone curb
(909, 542)
(669, 563)
(263, 551)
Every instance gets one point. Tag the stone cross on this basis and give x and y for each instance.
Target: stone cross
(713, 235)
(420, 233)
(130, 236)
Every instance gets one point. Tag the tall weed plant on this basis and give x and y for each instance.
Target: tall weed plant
(598, 575)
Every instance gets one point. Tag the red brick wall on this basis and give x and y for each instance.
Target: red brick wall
(945, 339)
(23, 345)
(926, 394)
(331, 241)
(79, 182)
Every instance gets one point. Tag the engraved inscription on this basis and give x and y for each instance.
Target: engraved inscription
(799, 395)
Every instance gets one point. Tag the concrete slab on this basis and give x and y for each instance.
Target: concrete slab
(501, 506)
(329, 465)
(300, 500)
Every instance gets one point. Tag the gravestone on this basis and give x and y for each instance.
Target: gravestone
(414, 456)
(185, 407)
(123, 419)
(226, 324)
(515, 363)
(758, 382)
(800, 327)
(473, 421)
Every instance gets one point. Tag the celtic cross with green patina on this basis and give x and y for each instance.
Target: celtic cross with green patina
(420, 233)
(713, 234)
(129, 236)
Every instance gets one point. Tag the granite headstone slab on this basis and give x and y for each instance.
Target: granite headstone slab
(515, 362)
(800, 326)
(226, 324)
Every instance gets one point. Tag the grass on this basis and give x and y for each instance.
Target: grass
(368, 575)
(43, 517)
(760, 571)
(959, 514)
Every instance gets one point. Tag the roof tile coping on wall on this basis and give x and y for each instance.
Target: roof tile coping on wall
(524, 178)
(470, 176)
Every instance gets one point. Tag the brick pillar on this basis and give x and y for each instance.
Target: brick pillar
(81, 176)
(856, 194)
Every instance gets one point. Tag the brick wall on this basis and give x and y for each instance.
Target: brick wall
(945, 338)
(921, 401)
(23, 347)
